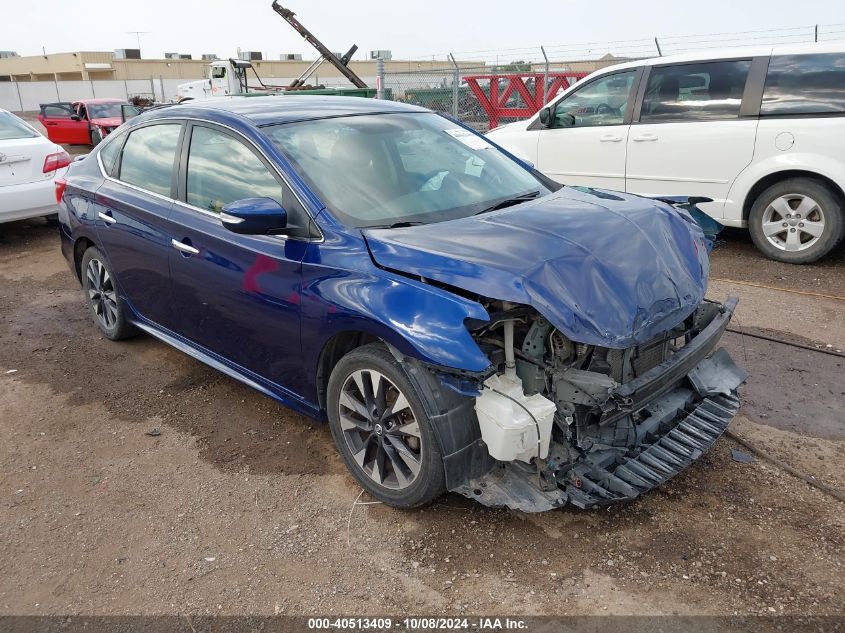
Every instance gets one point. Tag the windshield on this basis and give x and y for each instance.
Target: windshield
(104, 110)
(378, 170)
(12, 127)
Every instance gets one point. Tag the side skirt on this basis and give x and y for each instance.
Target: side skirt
(241, 374)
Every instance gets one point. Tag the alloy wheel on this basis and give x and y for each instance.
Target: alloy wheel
(101, 294)
(793, 222)
(380, 429)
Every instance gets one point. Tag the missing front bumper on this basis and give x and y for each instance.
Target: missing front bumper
(689, 400)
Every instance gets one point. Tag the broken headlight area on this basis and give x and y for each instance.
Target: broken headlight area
(566, 422)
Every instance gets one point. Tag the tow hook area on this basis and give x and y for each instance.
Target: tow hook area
(563, 422)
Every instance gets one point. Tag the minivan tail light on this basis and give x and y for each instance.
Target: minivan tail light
(56, 161)
(61, 183)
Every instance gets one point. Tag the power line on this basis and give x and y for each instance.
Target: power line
(670, 42)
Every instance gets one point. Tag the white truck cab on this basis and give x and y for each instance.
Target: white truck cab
(226, 77)
(758, 130)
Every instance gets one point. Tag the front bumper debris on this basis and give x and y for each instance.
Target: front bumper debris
(687, 401)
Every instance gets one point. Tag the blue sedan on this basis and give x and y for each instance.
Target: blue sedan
(462, 322)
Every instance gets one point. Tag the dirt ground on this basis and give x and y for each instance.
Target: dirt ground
(242, 507)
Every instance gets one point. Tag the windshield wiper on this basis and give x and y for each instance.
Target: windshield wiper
(509, 202)
(395, 225)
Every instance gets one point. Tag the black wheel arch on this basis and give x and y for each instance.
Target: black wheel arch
(767, 181)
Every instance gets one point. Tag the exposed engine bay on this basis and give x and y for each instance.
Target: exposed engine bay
(587, 425)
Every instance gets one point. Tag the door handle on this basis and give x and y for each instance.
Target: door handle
(105, 217)
(645, 138)
(610, 138)
(185, 248)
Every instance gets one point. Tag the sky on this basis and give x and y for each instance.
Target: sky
(502, 29)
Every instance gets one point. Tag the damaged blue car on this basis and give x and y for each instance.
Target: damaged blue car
(460, 321)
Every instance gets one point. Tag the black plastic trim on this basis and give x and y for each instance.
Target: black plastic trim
(637, 393)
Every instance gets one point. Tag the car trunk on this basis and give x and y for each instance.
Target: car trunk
(22, 160)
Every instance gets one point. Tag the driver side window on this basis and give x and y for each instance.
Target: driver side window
(601, 102)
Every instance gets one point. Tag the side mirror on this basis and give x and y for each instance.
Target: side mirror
(545, 116)
(254, 216)
(75, 117)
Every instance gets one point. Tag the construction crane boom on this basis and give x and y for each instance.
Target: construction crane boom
(340, 63)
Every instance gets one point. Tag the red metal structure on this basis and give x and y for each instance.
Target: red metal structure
(495, 102)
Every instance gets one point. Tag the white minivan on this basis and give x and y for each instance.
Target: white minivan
(759, 131)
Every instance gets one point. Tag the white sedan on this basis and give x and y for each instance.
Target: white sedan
(29, 165)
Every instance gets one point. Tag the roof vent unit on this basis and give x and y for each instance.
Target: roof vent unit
(8, 54)
(209, 57)
(381, 53)
(127, 53)
(250, 56)
(291, 57)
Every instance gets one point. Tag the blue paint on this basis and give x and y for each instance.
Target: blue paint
(605, 268)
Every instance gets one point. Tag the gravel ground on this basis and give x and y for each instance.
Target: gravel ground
(241, 506)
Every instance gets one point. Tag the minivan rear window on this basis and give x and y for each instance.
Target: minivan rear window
(805, 84)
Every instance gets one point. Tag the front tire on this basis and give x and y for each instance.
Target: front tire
(381, 429)
(101, 295)
(796, 221)
(96, 136)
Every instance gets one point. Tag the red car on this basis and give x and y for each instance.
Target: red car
(84, 122)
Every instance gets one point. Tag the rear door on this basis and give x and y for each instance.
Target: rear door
(689, 135)
(62, 122)
(585, 142)
(236, 295)
(132, 209)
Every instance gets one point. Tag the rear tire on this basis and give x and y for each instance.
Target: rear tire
(392, 452)
(797, 221)
(100, 287)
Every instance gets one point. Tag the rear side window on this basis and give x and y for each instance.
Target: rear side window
(805, 84)
(148, 157)
(12, 127)
(708, 91)
(109, 152)
(221, 170)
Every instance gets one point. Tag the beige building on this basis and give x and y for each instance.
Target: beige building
(93, 65)
(88, 65)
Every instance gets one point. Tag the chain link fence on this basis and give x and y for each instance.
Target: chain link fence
(440, 90)
(465, 92)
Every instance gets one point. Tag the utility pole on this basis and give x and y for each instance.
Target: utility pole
(138, 35)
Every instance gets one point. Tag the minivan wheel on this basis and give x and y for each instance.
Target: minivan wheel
(797, 221)
(100, 287)
(381, 430)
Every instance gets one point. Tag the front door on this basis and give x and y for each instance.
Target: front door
(63, 123)
(131, 210)
(236, 296)
(587, 135)
(690, 139)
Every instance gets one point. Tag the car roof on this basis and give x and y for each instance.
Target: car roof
(272, 109)
(743, 52)
(101, 100)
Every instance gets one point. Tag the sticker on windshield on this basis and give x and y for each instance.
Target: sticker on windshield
(468, 138)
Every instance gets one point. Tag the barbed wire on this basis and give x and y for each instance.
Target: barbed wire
(647, 47)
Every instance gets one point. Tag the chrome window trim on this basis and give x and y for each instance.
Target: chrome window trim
(249, 143)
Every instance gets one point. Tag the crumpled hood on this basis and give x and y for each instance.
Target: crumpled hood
(605, 268)
(112, 121)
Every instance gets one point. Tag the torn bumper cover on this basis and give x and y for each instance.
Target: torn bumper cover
(671, 414)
